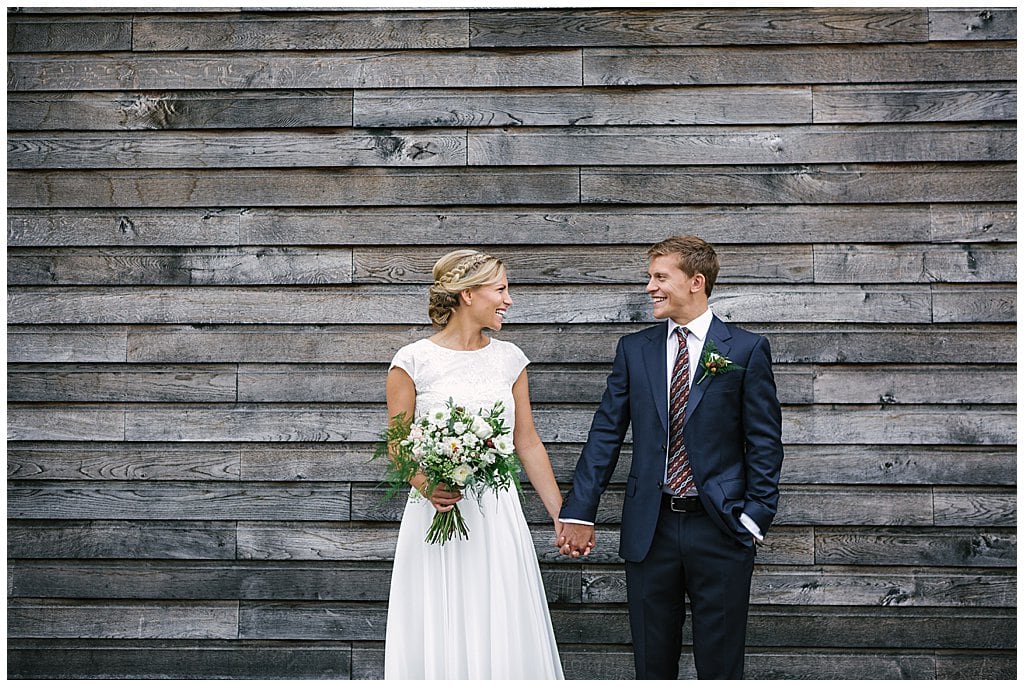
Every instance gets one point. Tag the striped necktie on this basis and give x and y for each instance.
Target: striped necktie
(680, 475)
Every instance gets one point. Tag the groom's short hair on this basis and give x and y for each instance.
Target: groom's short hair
(696, 256)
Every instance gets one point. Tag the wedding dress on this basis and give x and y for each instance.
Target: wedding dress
(476, 608)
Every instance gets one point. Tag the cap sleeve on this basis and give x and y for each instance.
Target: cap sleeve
(516, 361)
(406, 360)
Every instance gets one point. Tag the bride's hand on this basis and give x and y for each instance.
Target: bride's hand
(444, 500)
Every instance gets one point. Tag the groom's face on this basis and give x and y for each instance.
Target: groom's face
(674, 293)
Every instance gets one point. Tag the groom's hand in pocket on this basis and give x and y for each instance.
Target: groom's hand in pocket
(576, 539)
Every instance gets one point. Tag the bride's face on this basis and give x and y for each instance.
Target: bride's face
(488, 303)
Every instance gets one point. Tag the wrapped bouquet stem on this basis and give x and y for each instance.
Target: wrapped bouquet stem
(452, 448)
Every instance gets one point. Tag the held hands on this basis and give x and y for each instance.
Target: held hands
(574, 539)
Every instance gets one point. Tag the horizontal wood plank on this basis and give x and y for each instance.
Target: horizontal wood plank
(58, 618)
(944, 546)
(403, 304)
(710, 26)
(122, 461)
(82, 33)
(303, 70)
(171, 150)
(926, 263)
(975, 507)
(581, 106)
(638, 226)
(585, 265)
(311, 31)
(818, 144)
(797, 65)
(171, 501)
(66, 422)
(122, 384)
(97, 344)
(868, 103)
(165, 110)
(976, 303)
(593, 343)
(345, 186)
(207, 266)
(821, 184)
(125, 539)
(842, 586)
(978, 24)
(178, 659)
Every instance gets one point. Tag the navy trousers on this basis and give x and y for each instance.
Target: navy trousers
(690, 555)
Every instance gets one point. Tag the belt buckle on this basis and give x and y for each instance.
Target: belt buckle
(683, 502)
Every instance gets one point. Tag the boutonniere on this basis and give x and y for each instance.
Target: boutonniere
(715, 363)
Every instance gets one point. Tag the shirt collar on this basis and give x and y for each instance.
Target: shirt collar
(698, 327)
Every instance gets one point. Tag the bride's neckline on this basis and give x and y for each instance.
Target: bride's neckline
(461, 350)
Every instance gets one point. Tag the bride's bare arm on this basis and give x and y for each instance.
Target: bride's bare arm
(401, 396)
(532, 453)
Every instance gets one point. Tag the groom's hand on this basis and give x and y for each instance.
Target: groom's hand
(576, 539)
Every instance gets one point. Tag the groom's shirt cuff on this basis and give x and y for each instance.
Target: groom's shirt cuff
(748, 522)
(575, 522)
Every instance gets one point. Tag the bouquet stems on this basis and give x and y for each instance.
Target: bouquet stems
(446, 526)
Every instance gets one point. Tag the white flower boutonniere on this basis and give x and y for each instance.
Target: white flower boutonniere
(714, 363)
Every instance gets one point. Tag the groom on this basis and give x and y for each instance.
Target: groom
(703, 482)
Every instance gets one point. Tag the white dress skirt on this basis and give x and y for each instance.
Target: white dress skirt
(471, 608)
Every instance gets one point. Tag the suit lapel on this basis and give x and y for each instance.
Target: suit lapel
(654, 361)
(719, 334)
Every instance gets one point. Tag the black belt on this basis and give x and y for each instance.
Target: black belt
(682, 504)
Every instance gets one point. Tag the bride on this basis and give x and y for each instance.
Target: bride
(471, 608)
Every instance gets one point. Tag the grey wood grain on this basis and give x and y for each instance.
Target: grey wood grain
(977, 507)
(310, 31)
(975, 666)
(796, 65)
(975, 303)
(977, 24)
(901, 464)
(344, 186)
(311, 620)
(66, 422)
(26, 34)
(587, 264)
(94, 344)
(818, 144)
(893, 384)
(946, 546)
(178, 659)
(199, 109)
(476, 107)
(303, 70)
(827, 343)
(394, 226)
(821, 184)
(206, 266)
(404, 304)
(122, 461)
(849, 586)
(924, 263)
(172, 501)
(200, 384)
(172, 150)
(122, 619)
(123, 539)
(708, 26)
(866, 103)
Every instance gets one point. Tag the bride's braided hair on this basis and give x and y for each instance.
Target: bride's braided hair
(453, 274)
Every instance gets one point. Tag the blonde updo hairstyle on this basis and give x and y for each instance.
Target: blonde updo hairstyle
(454, 273)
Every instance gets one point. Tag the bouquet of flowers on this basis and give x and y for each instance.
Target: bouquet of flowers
(452, 447)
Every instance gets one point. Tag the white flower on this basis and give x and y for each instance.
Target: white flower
(438, 417)
(503, 444)
(415, 433)
(461, 474)
(480, 427)
(450, 446)
(460, 428)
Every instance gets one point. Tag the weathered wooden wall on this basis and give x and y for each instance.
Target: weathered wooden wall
(219, 231)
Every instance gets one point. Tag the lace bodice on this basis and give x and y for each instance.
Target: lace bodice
(473, 379)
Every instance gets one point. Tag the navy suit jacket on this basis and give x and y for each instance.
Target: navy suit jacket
(733, 434)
